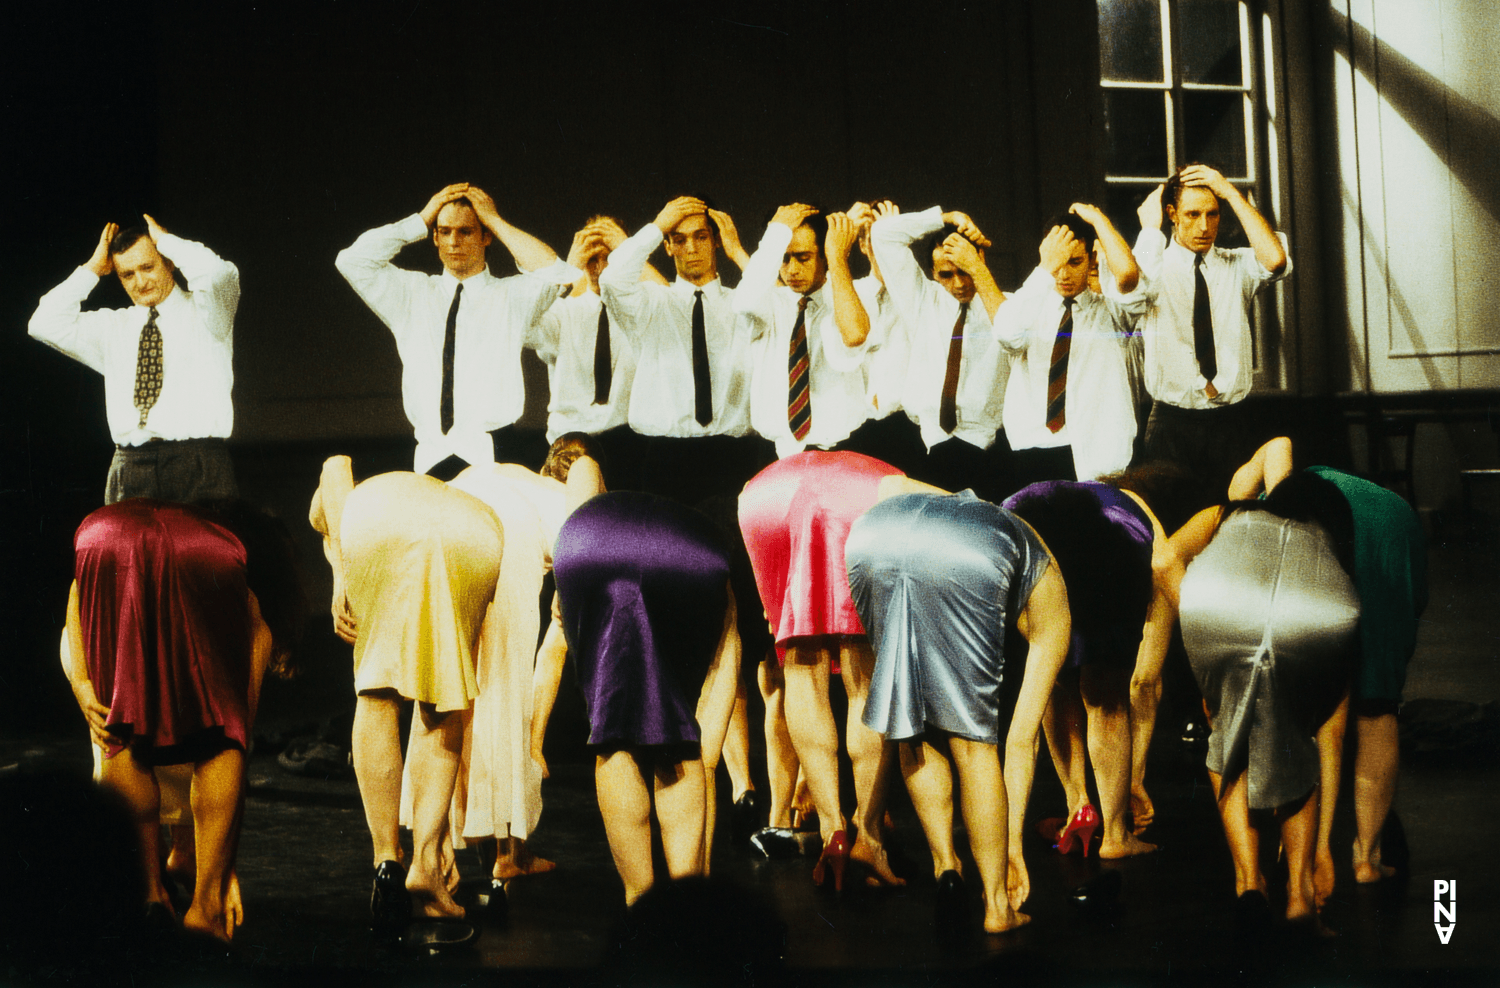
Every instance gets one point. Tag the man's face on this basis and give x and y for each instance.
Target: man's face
(947, 274)
(691, 245)
(146, 275)
(460, 239)
(803, 268)
(594, 267)
(1073, 277)
(1195, 219)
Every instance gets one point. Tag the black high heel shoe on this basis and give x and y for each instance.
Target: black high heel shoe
(390, 903)
(745, 817)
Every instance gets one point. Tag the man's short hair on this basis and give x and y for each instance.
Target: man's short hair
(566, 450)
(1081, 229)
(461, 201)
(126, 239)
(1172, 194)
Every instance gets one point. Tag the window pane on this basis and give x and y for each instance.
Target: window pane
(1120, 203)
(1130, 41)
(1135, 128)
(1214, 127)
(1209, 41)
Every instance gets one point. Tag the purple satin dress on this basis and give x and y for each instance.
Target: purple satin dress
(641, 588)
(165, 616)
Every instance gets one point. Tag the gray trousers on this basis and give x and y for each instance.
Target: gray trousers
(172, 470)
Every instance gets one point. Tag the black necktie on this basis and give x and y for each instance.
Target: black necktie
(1057, 371)
(450, 339)
(148, 367)
(602, 365)
(799, 394)
(948, 407)
(1203, 324)
(703, 388)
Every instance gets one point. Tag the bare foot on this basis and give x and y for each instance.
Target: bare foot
(430, 896)
(1142, 812)
(999, 919)
(525, 864)
(201, 918)
(873, 857)
(1323, 877)
(1366, 873)
(1129, 847)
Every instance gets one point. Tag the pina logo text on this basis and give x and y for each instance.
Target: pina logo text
(1444, 913)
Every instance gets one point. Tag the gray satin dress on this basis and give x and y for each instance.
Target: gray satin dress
(1269, 619)
(936, 579)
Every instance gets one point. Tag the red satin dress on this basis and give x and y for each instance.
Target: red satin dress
(165, 615)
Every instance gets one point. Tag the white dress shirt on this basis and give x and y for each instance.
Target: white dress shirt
(836, 383)
(566, 335)
(1233, 277)
(659, 321)
(496, 318)
(197, 346)
(1097, 404)
(930, 312)
(887, 349)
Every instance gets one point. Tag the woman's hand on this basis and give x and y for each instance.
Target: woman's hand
(96, 713)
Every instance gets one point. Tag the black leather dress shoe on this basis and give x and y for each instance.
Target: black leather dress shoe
(434, 935)
(390, 903)
(745, 817)
(777, 843)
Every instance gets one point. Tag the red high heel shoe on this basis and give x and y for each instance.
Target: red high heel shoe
(1081, 829)
(835, 856)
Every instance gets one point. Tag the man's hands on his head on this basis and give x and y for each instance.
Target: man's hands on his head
(963, 253)
(1057, 247)
(885, 208)
(861, 214)
(793, 215)
(1091, 215)
(967, 227)
(586, 244)
(729, 236)
(1209, 178)
(843, 231)
(1149, 211)
(676, 211)
(484, 209)
(153, 227)
(610, 233)
(441, 199)
(101, 264)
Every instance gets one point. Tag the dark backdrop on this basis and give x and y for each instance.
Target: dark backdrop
(276, 133)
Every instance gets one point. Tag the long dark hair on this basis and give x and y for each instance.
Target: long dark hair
(1172, 492)
(1308, 498)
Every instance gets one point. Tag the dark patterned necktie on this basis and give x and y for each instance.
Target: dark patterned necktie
(450, 343)
(148, 368)
(1057, 373)
(703, 388)
(799, 392)
(603, 366)
(1203, 324)
(948, 407)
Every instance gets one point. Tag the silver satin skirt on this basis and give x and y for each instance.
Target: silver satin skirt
(935, 579)
(1269, 619)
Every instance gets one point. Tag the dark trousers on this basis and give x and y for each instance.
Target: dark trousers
(1211, 442)
(1034, 465)
(527, 447)
(956, 465)
(172, 470)
(894, 439)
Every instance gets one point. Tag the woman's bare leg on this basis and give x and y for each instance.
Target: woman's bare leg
(781, 757)
(1330, 739)
(136, 784)
(736, 754)
(1063, 725)
(376, 747)
(625, 805)
(437, 740)
(1376, 759)
(1244, 840)
(809, 720)
(929, 781)
(218, 785)
(982, 789)
(1299, 834)
(1104, 694)
(871, 755)
(681, 813)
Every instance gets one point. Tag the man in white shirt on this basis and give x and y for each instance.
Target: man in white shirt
(955, 388)
(1199, 360)
(1068, 408)
(691, 395)
(167, 361)
(590, 362)
(460, 333)
(807, 388)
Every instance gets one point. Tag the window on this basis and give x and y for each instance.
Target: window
(1179, 85)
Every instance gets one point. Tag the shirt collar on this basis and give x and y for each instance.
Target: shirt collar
(1179, 253)
(171, 303)
(472, 281)
(687, 287)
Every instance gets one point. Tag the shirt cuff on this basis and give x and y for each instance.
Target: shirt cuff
(82, 281)
(559, 272)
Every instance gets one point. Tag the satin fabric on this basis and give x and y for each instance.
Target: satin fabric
(1101, 539)
(1269, 620)
(165, 616)
(795, 515)
(641, 588)
(937, 579)
(420, 564)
